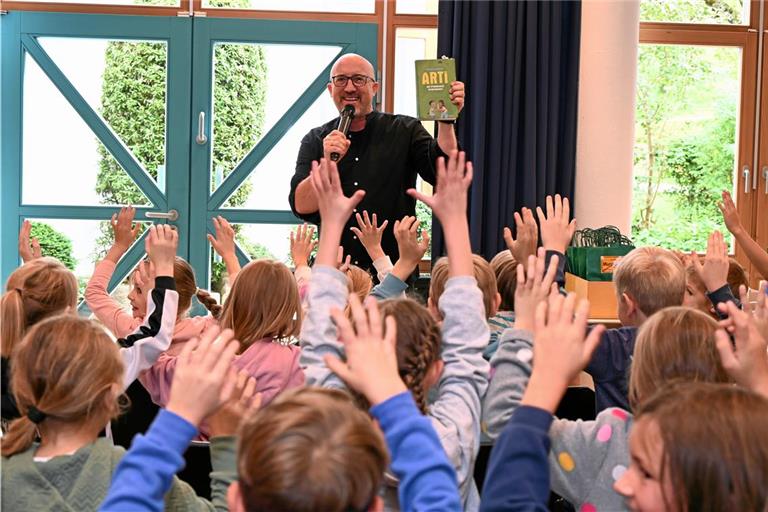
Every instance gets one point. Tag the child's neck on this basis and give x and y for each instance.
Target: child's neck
(57, 438)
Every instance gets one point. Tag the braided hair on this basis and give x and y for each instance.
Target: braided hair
(418, 344)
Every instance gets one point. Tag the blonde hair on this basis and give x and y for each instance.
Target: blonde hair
(504, 267)
(65, 367)
(36, 290)
(675, 344)
(310, 449)
(651, 276)
(714, 446)
(263, 303)
(486, 281)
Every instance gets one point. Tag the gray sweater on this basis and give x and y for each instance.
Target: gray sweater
(455, 412)
(79, 482)
(587, 457)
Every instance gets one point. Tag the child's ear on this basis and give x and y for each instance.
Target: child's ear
(377, 505)
(434, 373)
(496, 304)
(630, 304)
(234, 498)
(432, 307)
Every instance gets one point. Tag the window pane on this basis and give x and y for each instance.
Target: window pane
(61, 152)
(733, 12)
(411, 44)
(416, 7)
(686, 142)
(347, 6)
(257, 241)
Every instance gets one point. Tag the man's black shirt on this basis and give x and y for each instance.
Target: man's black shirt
(383, 159)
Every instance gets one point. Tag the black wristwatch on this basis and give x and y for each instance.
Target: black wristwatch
(447, 121)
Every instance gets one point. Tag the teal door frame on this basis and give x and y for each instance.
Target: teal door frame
(20, 31)
(189, 91)
(360, 38)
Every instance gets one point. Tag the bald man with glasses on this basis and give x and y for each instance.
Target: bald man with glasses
(382, 154)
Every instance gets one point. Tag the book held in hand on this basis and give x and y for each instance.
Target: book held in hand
(433, 86)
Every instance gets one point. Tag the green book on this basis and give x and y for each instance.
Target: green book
(433, 85)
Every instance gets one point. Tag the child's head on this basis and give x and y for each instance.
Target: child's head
(67, 368)
(263, 303)
(418, 346)
(504, 268)
(186, 287)
(310, 449)
(359, 282)
(38, 289)
(647, 279)
(486, 281)
(674, 345)
(698, 447)
(737, 276)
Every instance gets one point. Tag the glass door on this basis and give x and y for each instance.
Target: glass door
(259, 86)
(94, 116)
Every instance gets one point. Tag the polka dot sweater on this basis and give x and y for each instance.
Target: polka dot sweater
(586, 457)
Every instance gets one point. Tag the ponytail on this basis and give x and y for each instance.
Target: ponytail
(207, 300)
(12, 321)
(20, 436)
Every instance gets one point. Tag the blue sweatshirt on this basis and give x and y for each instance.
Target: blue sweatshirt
(427, 479)
(609, 368)
(518, 472)
(146, 472)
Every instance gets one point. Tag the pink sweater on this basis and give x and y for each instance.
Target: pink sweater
(121, 323)
(275, 368)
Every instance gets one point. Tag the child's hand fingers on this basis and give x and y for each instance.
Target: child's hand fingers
(345, 330)
(726, 351)
(359, 316)
(374, 318)
(340, 368)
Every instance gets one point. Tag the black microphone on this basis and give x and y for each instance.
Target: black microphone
(344, 121)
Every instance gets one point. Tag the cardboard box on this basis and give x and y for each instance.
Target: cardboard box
(601, 296)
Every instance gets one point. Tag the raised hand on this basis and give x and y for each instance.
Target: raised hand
(556, 228)
(335, 208)
(161, 245)
(411, 249)
(28, 249)
(533, 287)
(457, 94)
(561, 349)
(527, 236)
(244, 400)
(371, 360)
(449, 204)
(369, 233)
(144, 276)
(124, 229)
(343, 263)
(730, 214)
(453, 179)
(200, 383)
(223, 242)
(714, 271)
(745, 360)
(302, 245)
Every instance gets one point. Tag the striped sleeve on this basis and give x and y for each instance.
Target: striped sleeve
(141, 348)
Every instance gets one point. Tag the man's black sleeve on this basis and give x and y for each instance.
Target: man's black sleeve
(424, 152)
(310, 150)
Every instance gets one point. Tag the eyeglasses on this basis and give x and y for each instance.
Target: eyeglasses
(357, 80)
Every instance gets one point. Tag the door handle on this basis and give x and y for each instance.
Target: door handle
(765, 179)
(171, 215)
(745, 173)
(201, 138)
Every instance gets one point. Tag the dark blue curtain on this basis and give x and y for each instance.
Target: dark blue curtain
(520, 63)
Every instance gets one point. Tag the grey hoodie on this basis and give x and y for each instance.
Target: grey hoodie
(587, 457)
(455, 413)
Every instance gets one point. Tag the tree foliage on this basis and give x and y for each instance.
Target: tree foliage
(54, 243)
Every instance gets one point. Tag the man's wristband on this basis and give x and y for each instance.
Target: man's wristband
(447, 121)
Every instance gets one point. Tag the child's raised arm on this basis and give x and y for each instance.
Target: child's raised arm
(745, 359)
(527, 236)
(755, 253)
(328, 288)
(141, 349)
(28, 249)
(369, 232)
(714, 271)
(557, 230)
(411, 250)
(97, 297)
(201, 385)
(427, 479)
(224, 244)
(518, 472)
